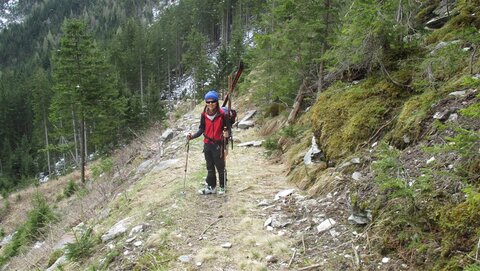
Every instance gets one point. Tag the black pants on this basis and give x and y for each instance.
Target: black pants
(214, 159)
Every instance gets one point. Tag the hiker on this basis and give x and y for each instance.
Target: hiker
(212, 124)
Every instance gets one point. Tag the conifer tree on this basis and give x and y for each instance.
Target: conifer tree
(84, 93)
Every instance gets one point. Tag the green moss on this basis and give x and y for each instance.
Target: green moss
(346, 116)
(413, 112)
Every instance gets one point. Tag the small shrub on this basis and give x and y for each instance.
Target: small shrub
(271, 144)
(81, 248)
(105, 165)
(70, 189)
(290, 131)
(38, 218)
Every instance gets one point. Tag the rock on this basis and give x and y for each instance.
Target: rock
(117, 230)
(314, 154)
(309, 205)
(164, 165)
(249, 115)
(245, 124)
(458, 93)
(385, 260)
(358, 219)
(271, 259)
(129, 240)
(135, 230)
(268, 222)
(185, 258)
(453, 117)
(431, 160)
(284, 194)
(67, 238)
(437, 22)
(357, 176)
(263, 203)
(60, 261)
(138, 243)
(38, 244)
(280, 221)
(226, 245)
(334, 233)
(441, 115)
(326, 225)
(168, 134)
(143, 167)
(7, 239)
(251, 144)
(355, 160)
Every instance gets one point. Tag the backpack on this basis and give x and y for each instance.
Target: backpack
(233, 115)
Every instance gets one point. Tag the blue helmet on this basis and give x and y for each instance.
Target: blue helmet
(212, 94)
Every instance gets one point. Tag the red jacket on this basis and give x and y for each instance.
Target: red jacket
(212, 130)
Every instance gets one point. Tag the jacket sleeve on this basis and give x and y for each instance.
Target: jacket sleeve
(201, 128)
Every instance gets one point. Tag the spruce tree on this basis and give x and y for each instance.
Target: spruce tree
(84, 93)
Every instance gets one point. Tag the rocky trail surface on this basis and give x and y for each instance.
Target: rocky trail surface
(155, 219)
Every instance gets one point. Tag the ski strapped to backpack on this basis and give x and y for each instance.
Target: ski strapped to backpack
(227, 102)
(232, 116)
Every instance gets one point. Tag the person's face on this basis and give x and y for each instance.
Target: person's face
(211, 104)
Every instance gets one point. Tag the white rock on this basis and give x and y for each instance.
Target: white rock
(135, 230)
(458, 93)
(355, 160)
(184, 258)
(385, 260)
(118, 229)
(138, 243)
(268, 222)
(165, 165)
(271, 259)
(57, 263)
(357, 176)
(251, 144)
(431, 160)
(326, 225)
(227, 245)
(167, 134)
(284, 194)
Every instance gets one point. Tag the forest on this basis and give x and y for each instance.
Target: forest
(130, 61)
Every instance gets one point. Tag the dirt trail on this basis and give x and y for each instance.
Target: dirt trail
(211, 232)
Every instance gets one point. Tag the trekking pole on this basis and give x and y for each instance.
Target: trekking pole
(186, 164)
(225, 141)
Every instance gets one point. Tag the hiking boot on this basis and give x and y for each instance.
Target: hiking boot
(207, 190)
(221, 191)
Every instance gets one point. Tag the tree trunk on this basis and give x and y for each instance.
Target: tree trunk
(82, 150)
(141, 82)
(85, 146)
(321, 70)
(297, 103)
(75, 136)
(46, 141)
